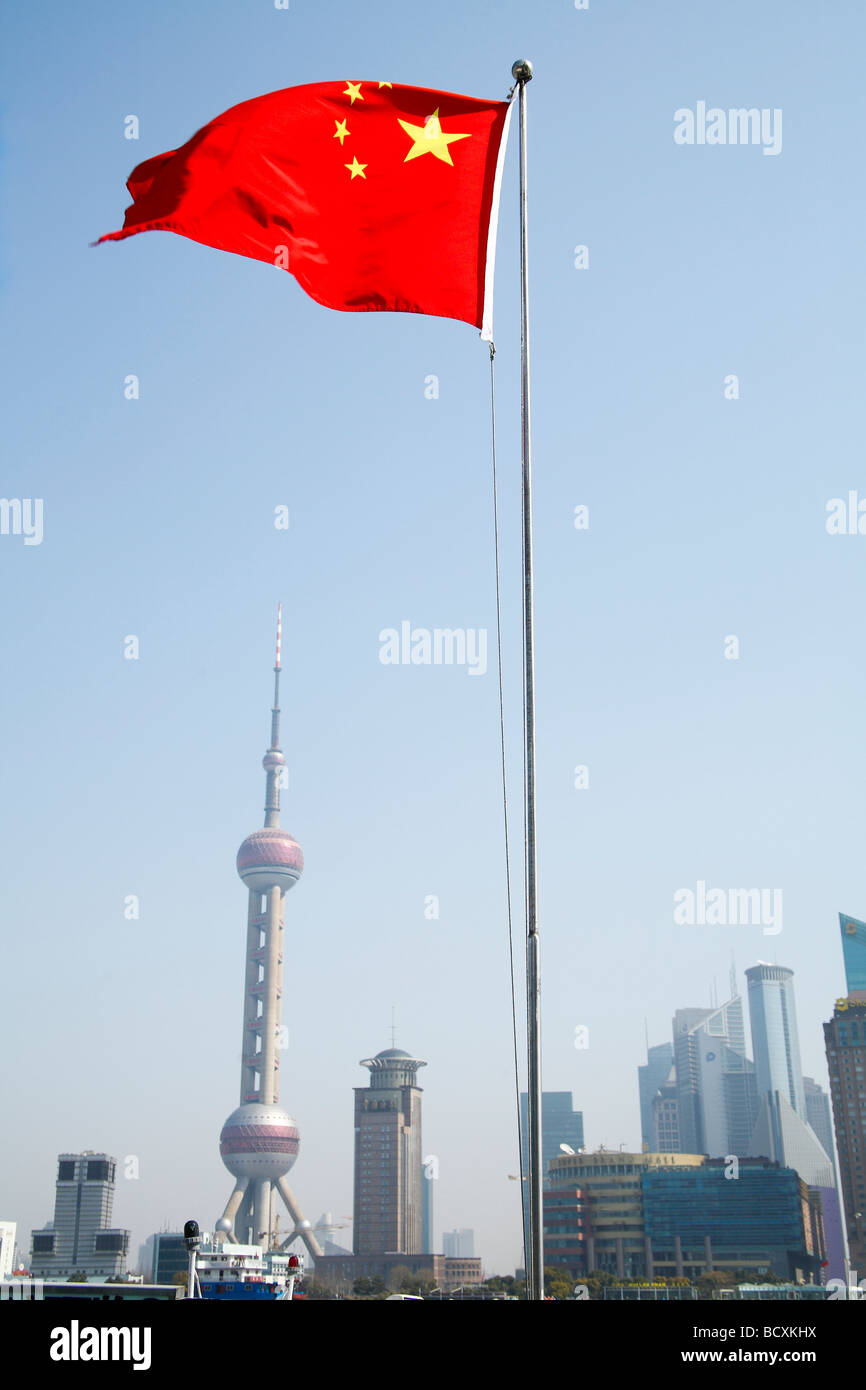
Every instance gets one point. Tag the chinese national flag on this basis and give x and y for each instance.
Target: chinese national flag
(373, 196)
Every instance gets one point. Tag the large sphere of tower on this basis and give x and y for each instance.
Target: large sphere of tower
(270, 858)
(259, 1141)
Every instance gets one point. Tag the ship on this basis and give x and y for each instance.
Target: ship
(241, 1272)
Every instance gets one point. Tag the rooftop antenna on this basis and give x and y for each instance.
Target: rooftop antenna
(733, 977)
(393, 1029)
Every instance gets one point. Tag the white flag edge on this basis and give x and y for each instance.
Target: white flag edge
(492, 228)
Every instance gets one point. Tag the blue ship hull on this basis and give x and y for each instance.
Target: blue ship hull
(234, 1291)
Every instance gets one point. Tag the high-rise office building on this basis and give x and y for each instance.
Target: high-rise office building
(782, 1130)
(560, 1124)
(81, 1238)
(853, 955)
(714, 1093)
(665, 1120)
(775, 1041)
(259, 1141)
(458, 1244)
(845, 1041)
(819, 1116)
(170, 1257)
(741, 1104)
(651, 1077)
(388, 1156)
(429, 1184)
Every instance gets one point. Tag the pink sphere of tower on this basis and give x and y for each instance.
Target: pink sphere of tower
(259, 1141)
(270, 858)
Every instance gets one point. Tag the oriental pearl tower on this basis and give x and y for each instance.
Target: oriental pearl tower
(259, 1141)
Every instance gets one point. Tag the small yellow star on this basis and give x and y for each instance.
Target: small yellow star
(353, 92)
(341, 132)
(430, 139)
(385, 84)
(356, 169)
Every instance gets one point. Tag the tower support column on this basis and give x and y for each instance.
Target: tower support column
(272, 999)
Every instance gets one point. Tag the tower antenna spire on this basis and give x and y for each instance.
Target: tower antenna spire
(274, 762)
(275, 712)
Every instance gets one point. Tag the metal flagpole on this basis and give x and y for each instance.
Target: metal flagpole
(522, 73)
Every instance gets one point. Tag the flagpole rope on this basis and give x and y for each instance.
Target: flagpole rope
(505, 788)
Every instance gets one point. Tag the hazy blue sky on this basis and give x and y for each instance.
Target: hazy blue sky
(707, 520)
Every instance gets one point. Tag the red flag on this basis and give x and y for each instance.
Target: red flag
(373, 196)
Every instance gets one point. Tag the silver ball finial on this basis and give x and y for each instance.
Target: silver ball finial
(521, 71)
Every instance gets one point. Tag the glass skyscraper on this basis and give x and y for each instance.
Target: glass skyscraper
(845, 1039)
(775, 1043)
(715, 1094)
(650, 1080)
(818, 1115)
(560, 1124)
(854, 953)
(783, 1131)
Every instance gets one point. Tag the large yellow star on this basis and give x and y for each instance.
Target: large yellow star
(356, 169)
(430, 138)
(353, 92)
(341, 132)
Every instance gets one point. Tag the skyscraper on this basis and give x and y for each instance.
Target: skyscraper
(651, 1077)
(782, 1131)
(845, 1041)
(819, 1116)
(560, 1124)
(665, 1129)
(259, 1141)
(775, 1043)
(715, 1099)
(458, 1244)
(854, 955)
(429, 1184)
(388, 1156)
(81, 1238)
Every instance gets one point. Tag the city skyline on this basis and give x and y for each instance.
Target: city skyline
(205, 442)
(388, 1069)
